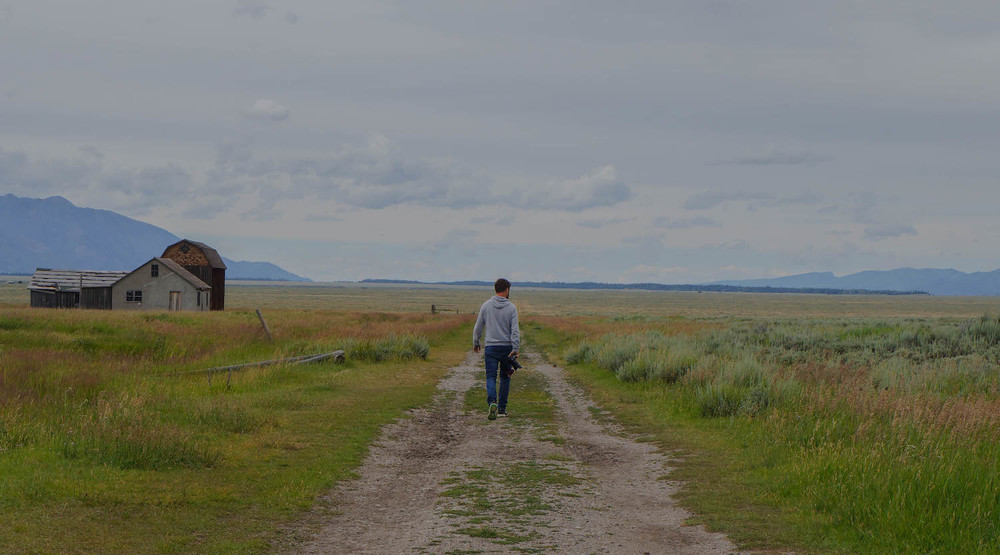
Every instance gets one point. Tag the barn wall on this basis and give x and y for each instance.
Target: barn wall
(204, 273)
(96, 297)
(156, 291)
(43, 300)
(67, 299)
(58, 299)
(218, 283)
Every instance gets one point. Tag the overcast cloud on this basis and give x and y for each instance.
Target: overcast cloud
(628, 141)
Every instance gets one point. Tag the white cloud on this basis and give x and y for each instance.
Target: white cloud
(652, 273)
(600, 187)
(711, 199)
(140, 191)
(602, 222)
(321, 218)
(378, 175)
(267, 109)
(250, 8)
(92, 152)
(773, 157)
(28, 177)
(877, 232)
(291, 17)
(685, 223)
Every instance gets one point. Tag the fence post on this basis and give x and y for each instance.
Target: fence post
(264, 324)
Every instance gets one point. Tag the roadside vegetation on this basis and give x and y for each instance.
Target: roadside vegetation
(112, 439)
(853, 435)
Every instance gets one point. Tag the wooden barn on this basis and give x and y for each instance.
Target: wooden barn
(205, 263)
(72, 288)
(161, 284)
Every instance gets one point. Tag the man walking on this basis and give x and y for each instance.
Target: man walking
(498, 317)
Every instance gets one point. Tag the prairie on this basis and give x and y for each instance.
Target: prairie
(113, 439)
(808, 422)
(845, 434)
(560, 302)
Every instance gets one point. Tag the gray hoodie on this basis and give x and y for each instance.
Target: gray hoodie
(499, 317)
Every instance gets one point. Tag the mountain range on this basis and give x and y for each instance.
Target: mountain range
(931, 280)
(55, 233)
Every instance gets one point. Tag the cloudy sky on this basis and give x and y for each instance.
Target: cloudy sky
(542, 140)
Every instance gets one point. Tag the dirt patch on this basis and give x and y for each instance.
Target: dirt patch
(446, 480)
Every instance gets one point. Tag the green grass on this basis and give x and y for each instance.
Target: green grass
(103, 448)
(861, 424)
(503, 503)
(719, 468)
(820, 435)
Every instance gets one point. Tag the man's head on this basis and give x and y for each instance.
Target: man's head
(502, 287)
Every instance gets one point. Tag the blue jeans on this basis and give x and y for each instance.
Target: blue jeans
(493, 354)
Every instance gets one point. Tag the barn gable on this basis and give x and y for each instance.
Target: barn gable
(161, 283)
(205, 263)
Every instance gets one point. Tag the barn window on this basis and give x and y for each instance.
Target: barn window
(199, 298)
(133, 296)
(154, 270)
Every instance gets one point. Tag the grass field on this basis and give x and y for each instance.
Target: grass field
(558, 302)
(808, 422)
(104, 447)
(856, 435)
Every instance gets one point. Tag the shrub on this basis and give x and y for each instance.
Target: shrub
(986, 328)
(755, 401)
(614, 351)
(718, 400)
(681, 357)
(636, 369)
(582, 353)
(390, 347)
(745, 372)
(895, 374)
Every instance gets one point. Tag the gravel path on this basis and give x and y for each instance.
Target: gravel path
(446, 480)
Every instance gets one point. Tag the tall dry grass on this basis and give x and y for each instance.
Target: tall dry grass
(102, 386)
(112, 437)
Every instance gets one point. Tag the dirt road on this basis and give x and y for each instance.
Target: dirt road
(562, 479)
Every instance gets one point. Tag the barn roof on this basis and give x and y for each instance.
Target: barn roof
(46, 279)
(179, 270)
(214, 259)
(175, 268)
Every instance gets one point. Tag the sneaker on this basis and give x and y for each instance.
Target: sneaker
(493, 411)
(501, 414)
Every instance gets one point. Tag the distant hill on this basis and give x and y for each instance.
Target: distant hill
(934, 281)
(55, 233)
(243, 269)
(705, 287)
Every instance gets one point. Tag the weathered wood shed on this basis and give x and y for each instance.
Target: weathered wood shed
(161, 284)
(72, 288)
(205, 263)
